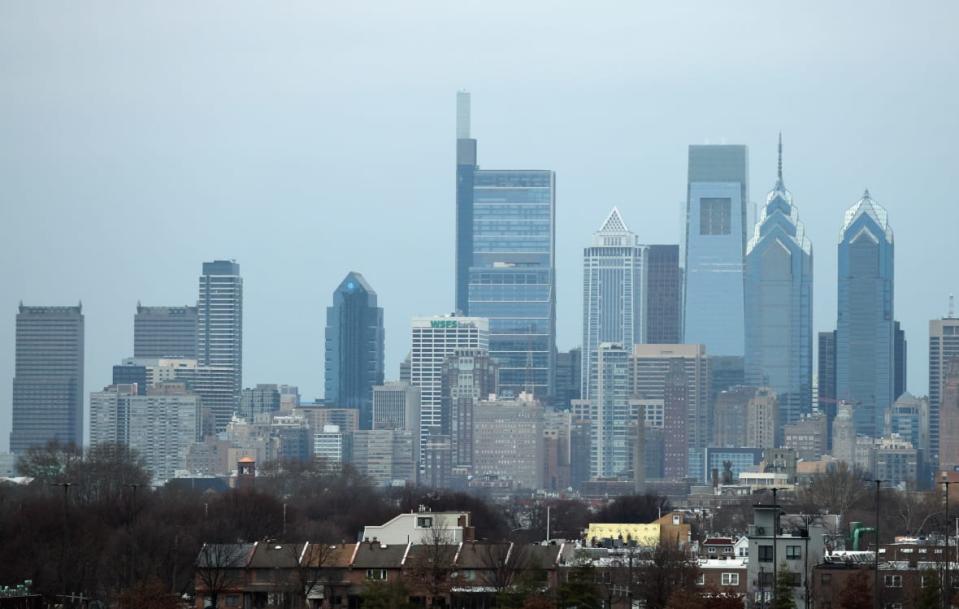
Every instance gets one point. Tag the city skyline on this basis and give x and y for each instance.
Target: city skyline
(645, 181)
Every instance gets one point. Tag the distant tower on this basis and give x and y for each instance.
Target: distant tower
(48, 377)
(245, 473)
(717, 196)
(354, 347)
(219, 341)
(865, 330)
(779, 272)
(613, 294)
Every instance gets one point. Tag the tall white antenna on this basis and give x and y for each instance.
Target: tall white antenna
(952, 306)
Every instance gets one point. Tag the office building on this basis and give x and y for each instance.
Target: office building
(729, 413)
(505, 262)
(899, 361)
(354, 347)
(434, 340)
(437, 460)
(826, 379)
(739, 459)
(292, 438)
(897, 462)
(909, 418)
(664, 295)
(165, 332)
(844, 434)
(865, 335)
(761, 419)
(614, 303)
(715, 244)
(131, 374)
(725, 373)
(569, 374)
(508, 441)
(330, 444)
(48, 377)
(807, 436)
(318, 415)
(651, 365)
(779, 273)
(677, 450)
(385, 456)
(943, 347)
(160, 426)
(219, 340)
(557, 437)
(396, 405)
(949, 418)
(258, 400)
(468, 376)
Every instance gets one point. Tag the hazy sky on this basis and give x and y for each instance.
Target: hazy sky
(308, 139)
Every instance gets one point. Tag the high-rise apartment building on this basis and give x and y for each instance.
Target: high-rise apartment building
(664, 295)
(717, 198)
(160, 426)
(943, 347)
(676, 428)
(396, 405)
(949, 418)
(508, 437)
(385, 456)
(434, 340)
(569, 374)
(614, 304)
(826, 378)
(259, 399)
(779, 272)
(48, 377)
(899, 370)
(865, 330)
(651, 365)
(807, 436)
(909, 417)
(219, 339)
(165, 332)
(761, 419)
(469, 376)
(729, 413)
(505, 262)
(354, 347)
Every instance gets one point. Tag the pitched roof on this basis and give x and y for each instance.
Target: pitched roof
(614, 223)
(372, 555)
(270, 555)
(219, 555)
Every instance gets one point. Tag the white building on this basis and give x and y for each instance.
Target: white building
(434, 339)
(329, 444)
(422, 527)
(614, 298)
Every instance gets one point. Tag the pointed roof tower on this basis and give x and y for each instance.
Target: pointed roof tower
(614, 223)
(614, 232)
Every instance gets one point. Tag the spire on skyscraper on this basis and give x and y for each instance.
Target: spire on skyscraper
(780, 171)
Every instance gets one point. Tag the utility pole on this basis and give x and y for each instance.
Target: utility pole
(775, 542)
(947, 587)
(876, 557)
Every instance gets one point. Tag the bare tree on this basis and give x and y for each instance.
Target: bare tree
(431, 566)
(219, 568)
(838, 491)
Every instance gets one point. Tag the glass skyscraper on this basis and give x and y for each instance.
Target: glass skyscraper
(613, 294)
(865, 330)
(505, 254)
(354, 347)
(717, 195)
(779, 305)
(219, 337)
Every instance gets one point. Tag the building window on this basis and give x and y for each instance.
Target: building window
(730, 579)
(701, 579)
(892, 581)
(232, 600)
(376, 574)
(714, 215)
(765, 553)
(727, 550)
(424, 522)
(793, 552)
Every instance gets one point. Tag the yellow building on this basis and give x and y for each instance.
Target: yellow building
(670, 529)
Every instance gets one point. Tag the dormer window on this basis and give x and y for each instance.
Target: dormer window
(424, 522)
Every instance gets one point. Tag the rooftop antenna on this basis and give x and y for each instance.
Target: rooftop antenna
(780, 172)
(952, 307)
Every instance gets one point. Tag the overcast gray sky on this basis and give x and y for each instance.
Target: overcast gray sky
(307, 139)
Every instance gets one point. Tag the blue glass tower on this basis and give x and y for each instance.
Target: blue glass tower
(865, 330)
(354, 347)
(717, 195)
(779, 305)
(506, 225)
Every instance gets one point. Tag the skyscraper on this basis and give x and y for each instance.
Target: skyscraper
(219, 340)
(899, 361)
(165, 332)
(505, 262)
(613, 293)
(943, 348)
(664, 295)
(354, 347)
(434, 340)
(949, 418)
(48, 377)
(865, 333)
(717, 197)
(779, 305)
(651, 365)
(396, 405)
(468, 377)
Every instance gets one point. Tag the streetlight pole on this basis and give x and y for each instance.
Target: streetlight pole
(947, 588)
(876, 557)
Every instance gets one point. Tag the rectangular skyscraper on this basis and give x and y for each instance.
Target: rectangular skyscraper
(48, 381)
(943, 348)
(354, 347)
(165, 332)
(664, 295)
(505, 262)
(220, 324)
(434, 340)
(717, 198)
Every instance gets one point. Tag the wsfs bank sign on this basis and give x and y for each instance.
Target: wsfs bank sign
(444, 323)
